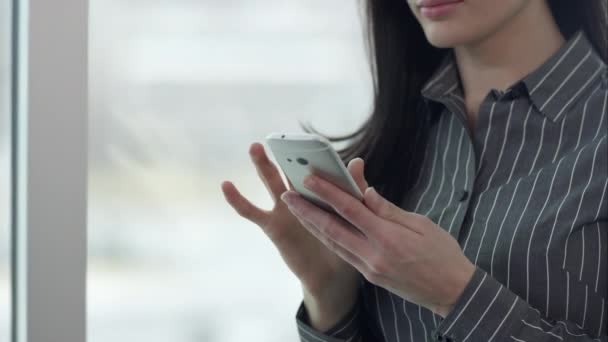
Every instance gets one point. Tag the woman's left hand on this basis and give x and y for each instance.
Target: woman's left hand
(403, 252)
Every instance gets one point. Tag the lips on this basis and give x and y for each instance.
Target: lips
(438, 10)
(433, 3)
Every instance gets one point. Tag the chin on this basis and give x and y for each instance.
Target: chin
(442, 36)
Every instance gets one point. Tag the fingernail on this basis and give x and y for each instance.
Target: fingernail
(285, 197)
(371, 189)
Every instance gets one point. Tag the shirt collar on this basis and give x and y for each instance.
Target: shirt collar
(444, 81)
(552, 87)
(560, 80)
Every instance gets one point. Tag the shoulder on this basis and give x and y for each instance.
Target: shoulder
(590, 118)
(596, 96)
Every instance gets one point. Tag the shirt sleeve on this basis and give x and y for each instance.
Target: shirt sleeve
(488, 311)
(355, 326)
(347, 329)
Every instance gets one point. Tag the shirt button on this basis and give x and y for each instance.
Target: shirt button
(465, 195)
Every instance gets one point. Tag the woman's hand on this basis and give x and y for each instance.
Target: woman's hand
(330, 284)
(403, 252)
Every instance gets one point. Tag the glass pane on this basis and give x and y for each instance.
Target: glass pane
(5, 209)
(179, 90)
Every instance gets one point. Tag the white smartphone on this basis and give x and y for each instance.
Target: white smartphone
(301, 154)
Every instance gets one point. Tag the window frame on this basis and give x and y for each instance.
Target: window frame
(49, 170)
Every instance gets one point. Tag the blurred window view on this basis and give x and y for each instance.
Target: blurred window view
(5, 209)
(178, 92)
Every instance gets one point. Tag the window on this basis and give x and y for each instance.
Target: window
(178, 92)
(5, 206)
(48, 169)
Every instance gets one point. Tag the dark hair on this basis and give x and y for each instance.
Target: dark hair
(393, 138)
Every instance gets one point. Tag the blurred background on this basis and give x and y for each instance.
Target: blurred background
(179, 89)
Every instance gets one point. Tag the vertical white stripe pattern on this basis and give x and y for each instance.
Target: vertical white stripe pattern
(409, 322)
(534, 228)
(556, 217)
(557, 64)
(524, 195)
(581, 201)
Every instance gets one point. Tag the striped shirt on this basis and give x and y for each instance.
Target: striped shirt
(524, 194)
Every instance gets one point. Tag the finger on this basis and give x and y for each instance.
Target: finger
(338, 231)
(267, 171)
(291, 187)
(243, 206)
(356, 169)
(389, 211)
(343, 253)
(351, 209)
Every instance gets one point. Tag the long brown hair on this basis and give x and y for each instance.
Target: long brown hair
(393, 138)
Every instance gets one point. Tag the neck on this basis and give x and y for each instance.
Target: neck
(509, 54)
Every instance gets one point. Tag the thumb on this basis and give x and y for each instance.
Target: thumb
(356, 167)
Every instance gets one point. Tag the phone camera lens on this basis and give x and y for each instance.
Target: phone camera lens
(302, 161)
(283, 136)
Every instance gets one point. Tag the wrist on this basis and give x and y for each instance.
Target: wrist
(324, 312)
(461, 279)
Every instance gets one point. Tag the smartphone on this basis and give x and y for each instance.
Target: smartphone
(301, 154)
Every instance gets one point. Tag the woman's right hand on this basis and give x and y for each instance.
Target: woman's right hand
(329, 283)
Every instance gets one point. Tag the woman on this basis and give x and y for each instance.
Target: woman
(487, 147)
